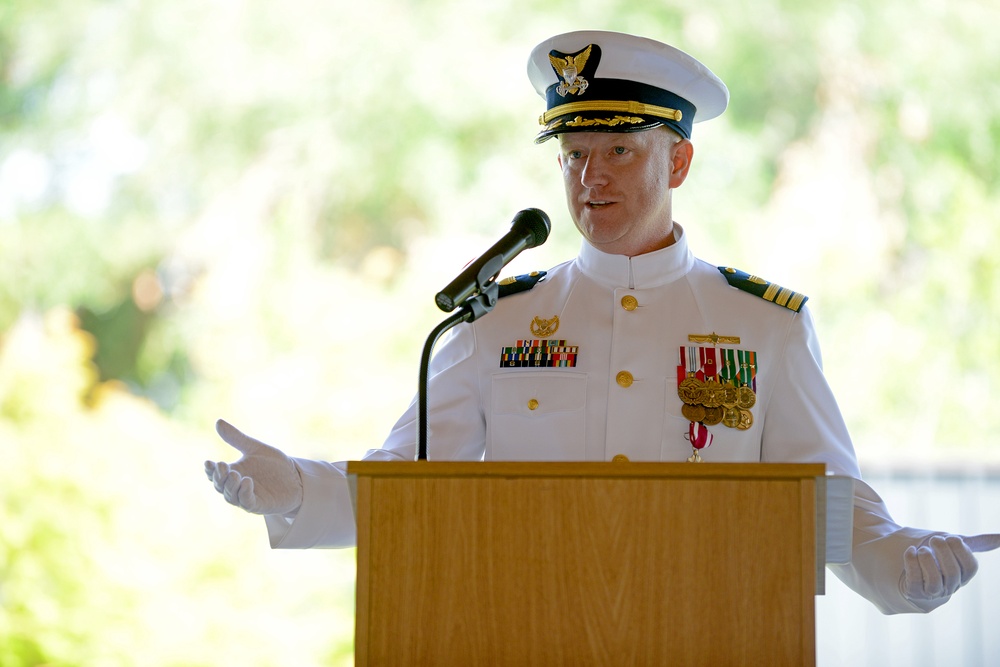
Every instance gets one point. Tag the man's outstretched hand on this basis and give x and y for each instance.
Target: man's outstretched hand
(937, 569)
(263, 481)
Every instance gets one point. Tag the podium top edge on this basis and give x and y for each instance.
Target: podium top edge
(597, 469)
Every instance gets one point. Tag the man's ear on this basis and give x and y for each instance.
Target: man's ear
(680, 162)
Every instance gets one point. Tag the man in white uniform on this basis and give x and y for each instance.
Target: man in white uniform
(635, 350)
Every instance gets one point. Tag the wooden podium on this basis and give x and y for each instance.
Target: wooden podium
(463, 563)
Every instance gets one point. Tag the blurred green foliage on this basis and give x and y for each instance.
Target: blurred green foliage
(243, 208)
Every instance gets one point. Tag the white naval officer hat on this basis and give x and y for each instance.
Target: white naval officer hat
(594, 80)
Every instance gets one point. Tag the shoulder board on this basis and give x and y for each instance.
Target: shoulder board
(764, 289)
(522, 283)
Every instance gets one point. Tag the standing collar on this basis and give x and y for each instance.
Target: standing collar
(642, 271)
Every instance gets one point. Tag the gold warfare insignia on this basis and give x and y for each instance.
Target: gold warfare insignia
(714, 339)
(569, 68)
(544, 328)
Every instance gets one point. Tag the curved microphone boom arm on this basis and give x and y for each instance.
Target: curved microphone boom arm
(474, 308)
(475, 292)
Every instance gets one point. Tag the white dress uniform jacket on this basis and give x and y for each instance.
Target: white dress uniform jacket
(627, 319)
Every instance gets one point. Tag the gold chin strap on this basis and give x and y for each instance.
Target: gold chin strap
(615, 106)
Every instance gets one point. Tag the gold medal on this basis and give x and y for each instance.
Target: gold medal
(747, 379)
(691, 390)
(746, 420)
(746, 398)
(712, 394)
(713, 416)
(731, 417)
(693, 413)
(730, 395)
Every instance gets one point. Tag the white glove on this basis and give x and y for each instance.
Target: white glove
(263, 481)
(937, 569)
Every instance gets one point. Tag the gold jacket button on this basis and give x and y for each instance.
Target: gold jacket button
(532, 404)
(624, 379)
(619, 458)
(629, 302)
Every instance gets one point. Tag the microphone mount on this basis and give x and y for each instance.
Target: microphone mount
(475, 292)
(477, 305)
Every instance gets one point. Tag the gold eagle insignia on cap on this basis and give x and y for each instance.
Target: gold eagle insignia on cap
(569, 68)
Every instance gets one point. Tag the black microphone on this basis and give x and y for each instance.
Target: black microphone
(530, 228)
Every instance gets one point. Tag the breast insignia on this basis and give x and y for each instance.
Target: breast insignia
(544, 328)
(766, 290)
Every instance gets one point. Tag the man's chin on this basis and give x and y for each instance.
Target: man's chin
(598, 223)
(609, 243)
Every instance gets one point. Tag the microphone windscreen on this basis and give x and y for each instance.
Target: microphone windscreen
(534, 221)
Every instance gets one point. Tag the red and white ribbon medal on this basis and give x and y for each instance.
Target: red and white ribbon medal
(700, 438)
(697, 384)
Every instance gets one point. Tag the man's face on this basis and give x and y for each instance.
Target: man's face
(618, 186)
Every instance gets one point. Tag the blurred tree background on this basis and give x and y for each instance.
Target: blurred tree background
(242, 209)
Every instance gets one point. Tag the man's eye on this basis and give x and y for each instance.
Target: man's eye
(575, 155)
(620, 150)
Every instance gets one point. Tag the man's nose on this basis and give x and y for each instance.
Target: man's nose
(594, 173)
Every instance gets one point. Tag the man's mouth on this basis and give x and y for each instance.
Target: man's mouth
(598, 203)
